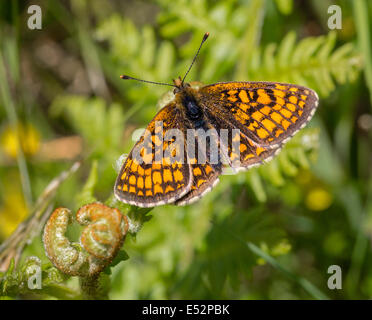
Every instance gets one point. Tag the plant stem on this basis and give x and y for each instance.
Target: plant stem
(364, 39)
(12, 118)
(305, 284)
(95, 287)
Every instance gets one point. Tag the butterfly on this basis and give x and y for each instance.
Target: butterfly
(247, 123)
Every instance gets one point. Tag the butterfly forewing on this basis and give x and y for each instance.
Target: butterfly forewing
(149, 177)
(268, 113)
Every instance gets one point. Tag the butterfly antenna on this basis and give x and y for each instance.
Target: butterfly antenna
(206, 35)
(125, 77)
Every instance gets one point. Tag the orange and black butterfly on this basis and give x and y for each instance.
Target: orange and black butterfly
(256, 117)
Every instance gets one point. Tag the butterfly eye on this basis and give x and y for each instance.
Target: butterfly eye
(176, 90)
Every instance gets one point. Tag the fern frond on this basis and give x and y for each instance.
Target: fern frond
(223, 259)
(137, 52)
(312, 62)
(99, 125)
(235, 29)
(296, 155)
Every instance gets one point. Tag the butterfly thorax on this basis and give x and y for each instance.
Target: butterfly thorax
(186, 99)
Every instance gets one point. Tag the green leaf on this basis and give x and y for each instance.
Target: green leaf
(223, 259)
(98, 124)
(285, 6)
(121, 256)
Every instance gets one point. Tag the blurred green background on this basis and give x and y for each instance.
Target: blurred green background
(61, 99)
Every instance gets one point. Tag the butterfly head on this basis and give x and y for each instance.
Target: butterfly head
(180, 85)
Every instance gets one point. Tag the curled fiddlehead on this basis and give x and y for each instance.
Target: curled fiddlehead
(103, 235)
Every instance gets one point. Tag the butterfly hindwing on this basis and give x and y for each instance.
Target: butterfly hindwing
(249, 153)
(205, 177)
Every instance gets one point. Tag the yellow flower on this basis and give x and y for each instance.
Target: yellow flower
(29, 139)
(318, 199)
(13, 211)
